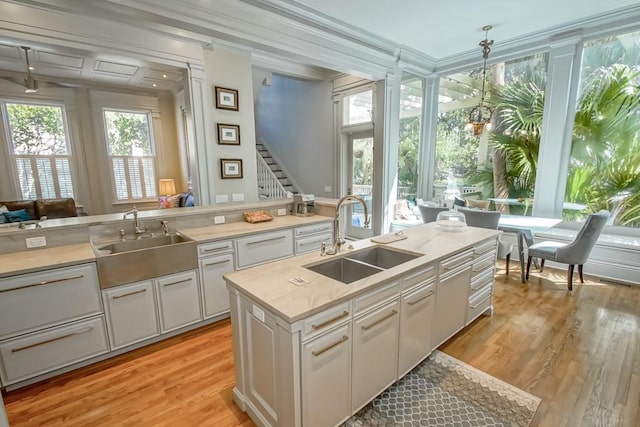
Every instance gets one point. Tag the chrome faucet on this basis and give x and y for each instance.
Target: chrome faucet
(138, 229)
(337, 239)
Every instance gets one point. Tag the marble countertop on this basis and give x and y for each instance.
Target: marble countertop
(269, 284)
(40, 259)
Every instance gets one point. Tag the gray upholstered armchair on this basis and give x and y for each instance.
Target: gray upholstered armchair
(574, 253)
(488, 219)
(429, 213)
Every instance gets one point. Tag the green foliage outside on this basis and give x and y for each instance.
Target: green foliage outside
(408, 150)
(363, 161)
(36, 129)
(127, 133)
(456, 148)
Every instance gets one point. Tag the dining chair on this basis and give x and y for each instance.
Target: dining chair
(489, 219)
(430, 213)
(574, 253)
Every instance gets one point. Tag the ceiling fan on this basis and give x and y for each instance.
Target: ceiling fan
(30, 83)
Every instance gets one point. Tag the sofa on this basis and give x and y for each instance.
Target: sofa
(39, 208)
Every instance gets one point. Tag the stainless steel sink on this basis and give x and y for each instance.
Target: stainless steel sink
(344, 269)
(361, 264)
(382, 257)
(144, 258)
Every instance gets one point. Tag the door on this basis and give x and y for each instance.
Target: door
(360, 183)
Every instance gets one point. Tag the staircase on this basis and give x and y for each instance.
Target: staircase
(265, 188)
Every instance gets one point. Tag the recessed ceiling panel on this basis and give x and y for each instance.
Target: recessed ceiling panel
(59, 60)
(116, 68)
(162, 75)
(12, 52)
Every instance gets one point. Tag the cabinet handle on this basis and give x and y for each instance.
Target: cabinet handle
(209, 264)
(44, 282)
(473, 307)
(178, 282)
(27, 347)
(345, 313)
(318, 353)
(129, 294)
(420, 299)
(266, 240)
(216, 249)
(393, 313)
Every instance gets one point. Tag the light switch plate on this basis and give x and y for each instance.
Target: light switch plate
(222, 198)
(327, 189)
(237, 197)
(219, 219)
(282, 212)
(36, 242)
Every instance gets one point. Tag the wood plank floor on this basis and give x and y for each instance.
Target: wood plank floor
(579, 352)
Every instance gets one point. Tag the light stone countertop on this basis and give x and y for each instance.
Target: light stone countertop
(236, 229)
(269, 284)
(41, 259)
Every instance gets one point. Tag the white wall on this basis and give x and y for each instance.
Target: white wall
(231, 69)
(295, 119)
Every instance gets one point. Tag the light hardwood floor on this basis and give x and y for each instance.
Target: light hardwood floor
(579, 352)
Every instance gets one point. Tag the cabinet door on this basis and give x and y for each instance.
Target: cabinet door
(451, 304)
(326, 378)
(375, 353)
(214, 288)
(416, 315)
(131, 313)
(178, 300)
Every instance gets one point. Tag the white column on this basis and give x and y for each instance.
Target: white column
(428, 137)
(387, 156)
(4, 422)
(198, 153)
(557, 126)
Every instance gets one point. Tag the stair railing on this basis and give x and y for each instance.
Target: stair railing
(269, 185)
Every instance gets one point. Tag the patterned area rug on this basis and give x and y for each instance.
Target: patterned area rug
(443, 391)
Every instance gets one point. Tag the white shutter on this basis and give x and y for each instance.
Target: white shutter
(26, 179)
(149, 177)
(135, 178)
(64, 177)
(45, 176)
(120, 179)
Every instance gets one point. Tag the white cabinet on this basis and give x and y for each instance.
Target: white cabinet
(215, 297)
(32, 301)
(131, 313)
(309, 238)
(178, 300)
(326, 378)
(452, 296)
(375, 344)
(416, 319)
(264, 247)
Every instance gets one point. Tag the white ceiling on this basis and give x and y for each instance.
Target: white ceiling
(443, 28)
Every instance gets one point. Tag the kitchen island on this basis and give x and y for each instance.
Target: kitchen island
(312, 350)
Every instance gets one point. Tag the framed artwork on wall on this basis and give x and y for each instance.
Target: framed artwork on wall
(226, 99)
(228, 134)
(230, 168)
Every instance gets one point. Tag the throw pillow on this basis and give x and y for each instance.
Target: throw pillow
(17, 216)
(3, 208)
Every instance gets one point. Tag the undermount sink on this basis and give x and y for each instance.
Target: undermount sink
(144, 258)
(361, 264)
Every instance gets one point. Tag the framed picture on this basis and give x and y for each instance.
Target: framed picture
(226, 99)
(228, 134)
(230, 168)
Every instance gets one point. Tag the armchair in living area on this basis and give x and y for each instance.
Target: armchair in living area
(430, 213)
(488, 219)
(574, 253)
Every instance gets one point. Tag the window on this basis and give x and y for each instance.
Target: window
(130, 149)
(604, 171)
(40, 150)
(358, 108)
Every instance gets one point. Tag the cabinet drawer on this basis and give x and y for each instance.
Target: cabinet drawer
(131, 313)
(482, 263)
(305, 230)
(451, 263)
(483, 248)
(326, 320)
(313, 243)
(213, 248)
(478, 306)
(481, 280)
(264, 247)
(31, 301)
(375, 296)
(418, 277)
(34, 354)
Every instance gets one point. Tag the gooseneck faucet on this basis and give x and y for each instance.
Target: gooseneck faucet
(337, 239)
(139, 230)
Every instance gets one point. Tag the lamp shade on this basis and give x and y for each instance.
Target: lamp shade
(166, 187)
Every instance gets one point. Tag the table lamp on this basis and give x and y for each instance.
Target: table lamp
(166, 188)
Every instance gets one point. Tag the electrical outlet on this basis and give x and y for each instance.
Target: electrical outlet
(282, 212)
(36, 242)
(327, 189)
(222, 198)
(219, 219)
(237, 197)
